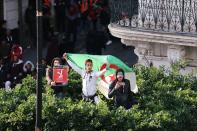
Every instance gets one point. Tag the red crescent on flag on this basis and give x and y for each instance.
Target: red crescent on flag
(112, 66)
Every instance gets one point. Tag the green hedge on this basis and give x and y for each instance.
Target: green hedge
(167, 101)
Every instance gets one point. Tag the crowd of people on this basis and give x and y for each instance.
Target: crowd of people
(72, 17)
(119, 89)
(65, 20)
(12, 67)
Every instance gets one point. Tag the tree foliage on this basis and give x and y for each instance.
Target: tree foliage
(167, 101)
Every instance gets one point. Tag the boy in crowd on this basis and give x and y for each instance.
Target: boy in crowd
(89, 79)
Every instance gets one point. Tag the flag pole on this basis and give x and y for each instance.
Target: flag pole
(39, 34)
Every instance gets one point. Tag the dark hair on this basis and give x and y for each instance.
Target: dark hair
(56, 59)
(115, 81)
(120, 70)
(88, 60)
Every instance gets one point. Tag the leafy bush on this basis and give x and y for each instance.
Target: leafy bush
(167, 101)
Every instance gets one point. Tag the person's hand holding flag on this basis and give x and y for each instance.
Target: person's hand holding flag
(102, 72)
(65, 56)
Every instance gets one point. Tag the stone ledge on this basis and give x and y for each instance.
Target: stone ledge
(154, 37)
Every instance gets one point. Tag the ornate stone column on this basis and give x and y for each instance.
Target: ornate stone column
(142, 50)
(175, 53)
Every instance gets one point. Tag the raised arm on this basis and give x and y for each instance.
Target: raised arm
(100, 73)
(74, 67)
(48, 78)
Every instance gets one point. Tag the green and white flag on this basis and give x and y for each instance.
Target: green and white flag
(99, 63)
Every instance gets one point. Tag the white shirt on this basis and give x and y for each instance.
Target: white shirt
(89, 79)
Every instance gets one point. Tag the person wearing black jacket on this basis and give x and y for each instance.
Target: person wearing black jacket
(57, 87)
(3, 72)
(3, 28)
(120, 91)
(30, 20)
(60, 14)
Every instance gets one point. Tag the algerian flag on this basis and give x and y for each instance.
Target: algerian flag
(99, 63)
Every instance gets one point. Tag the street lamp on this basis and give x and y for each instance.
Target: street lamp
(39, 28)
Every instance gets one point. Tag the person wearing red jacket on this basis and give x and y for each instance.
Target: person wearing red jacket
(47, 3)
(84, 6)
(60, 14)
(93, 13)
(72, 25)
(15, 72)
(16, 51)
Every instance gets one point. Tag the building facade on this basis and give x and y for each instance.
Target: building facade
(9, 11)
(162, 31)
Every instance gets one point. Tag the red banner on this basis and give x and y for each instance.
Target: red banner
(60, 75)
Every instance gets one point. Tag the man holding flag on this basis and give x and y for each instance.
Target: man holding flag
(89, 79)
(97, 74)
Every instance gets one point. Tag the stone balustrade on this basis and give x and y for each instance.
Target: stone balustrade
(162, 31)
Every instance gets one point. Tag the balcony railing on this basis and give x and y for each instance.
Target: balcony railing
(173, 16)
